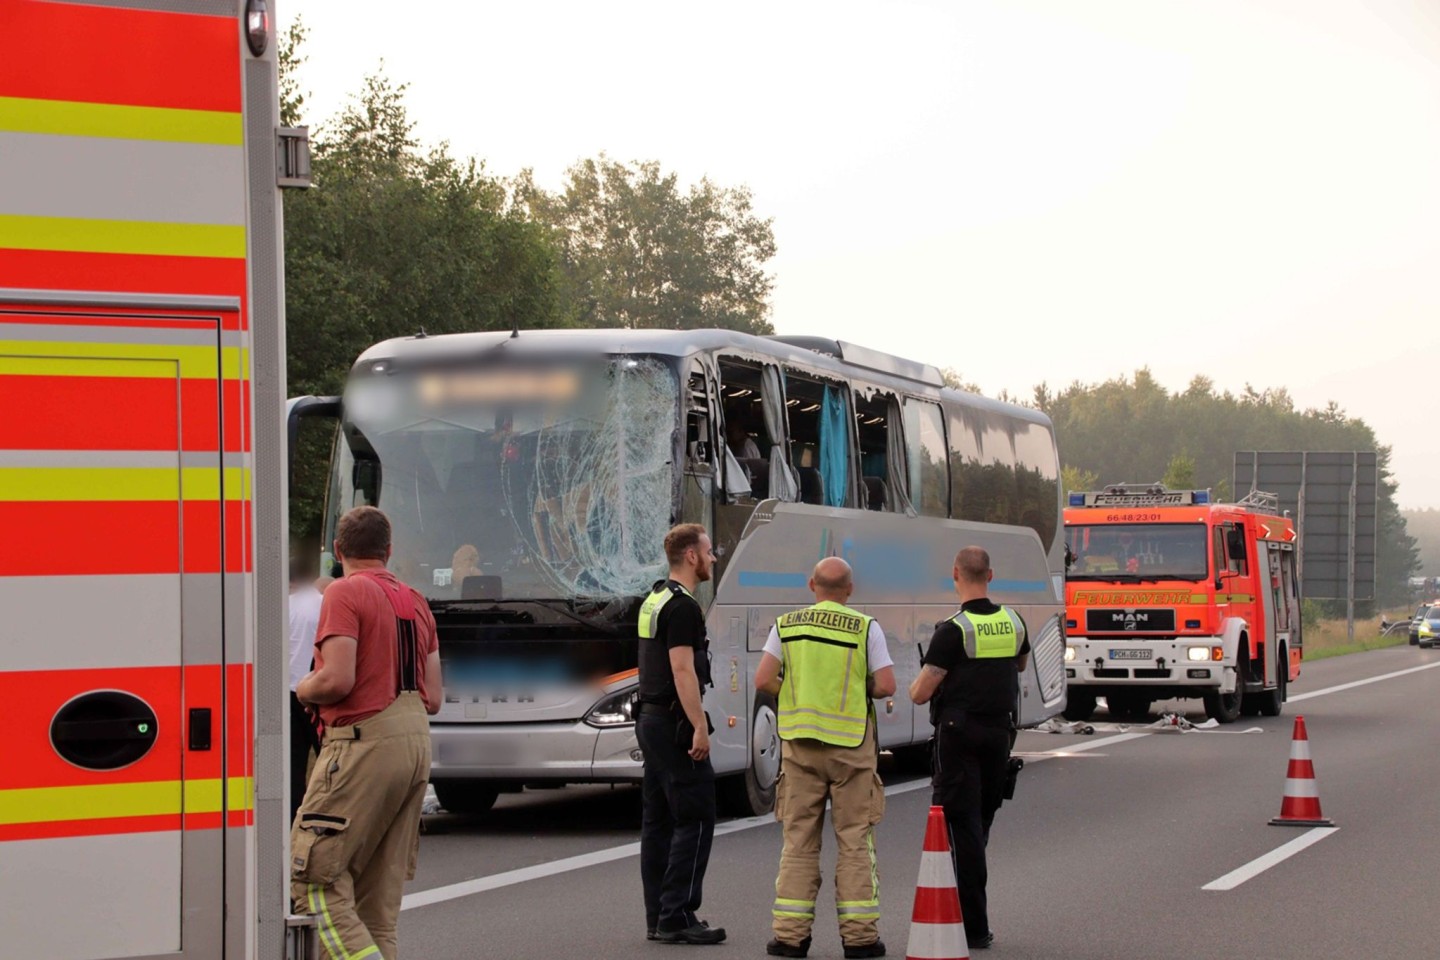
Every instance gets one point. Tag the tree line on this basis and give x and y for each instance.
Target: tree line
(395, 239)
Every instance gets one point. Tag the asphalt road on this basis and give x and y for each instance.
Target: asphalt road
(1103, 854)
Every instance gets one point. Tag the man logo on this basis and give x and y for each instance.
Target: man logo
(1130, 620)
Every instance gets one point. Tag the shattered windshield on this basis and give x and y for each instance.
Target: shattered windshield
(515, 482)
(1163, 551)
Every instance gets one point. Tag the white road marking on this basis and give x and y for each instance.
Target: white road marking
(466, 888)
(1280, 854)
(1296, 698)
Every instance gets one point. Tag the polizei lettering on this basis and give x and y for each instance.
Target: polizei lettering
(828, 619)
(994, 629)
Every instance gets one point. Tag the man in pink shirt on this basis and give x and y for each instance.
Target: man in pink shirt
(356, 837)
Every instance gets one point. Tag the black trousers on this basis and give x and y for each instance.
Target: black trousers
(970, 765)
(302, 741)
(677, 826)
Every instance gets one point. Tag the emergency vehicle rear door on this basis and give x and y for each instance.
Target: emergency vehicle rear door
(113, 493)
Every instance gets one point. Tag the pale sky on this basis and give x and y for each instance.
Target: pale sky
(1026, 190)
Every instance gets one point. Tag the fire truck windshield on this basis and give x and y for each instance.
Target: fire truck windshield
(502, 481)
(1150, 551)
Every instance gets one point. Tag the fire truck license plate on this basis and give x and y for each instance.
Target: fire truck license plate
(1130, 654)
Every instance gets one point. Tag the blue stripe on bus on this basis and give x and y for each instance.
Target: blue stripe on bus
(773, 580)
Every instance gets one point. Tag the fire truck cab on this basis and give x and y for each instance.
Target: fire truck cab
(1170, 595)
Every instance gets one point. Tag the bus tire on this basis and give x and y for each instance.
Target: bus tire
(465, 797)
(1079, 705)
(752, 792)
(1271, 702)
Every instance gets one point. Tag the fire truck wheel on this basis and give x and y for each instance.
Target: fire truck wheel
(1079, 704)
(1271, 702)
(472, 797)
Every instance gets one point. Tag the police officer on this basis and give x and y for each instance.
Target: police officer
(678, 823)
(971, 677)
(834, 662)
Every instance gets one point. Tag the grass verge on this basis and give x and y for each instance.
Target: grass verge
(1327, 639)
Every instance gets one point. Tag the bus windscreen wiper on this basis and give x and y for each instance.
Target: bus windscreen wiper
(554, 606)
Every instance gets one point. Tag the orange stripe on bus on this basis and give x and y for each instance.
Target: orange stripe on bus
(127, 273)
(142, 58)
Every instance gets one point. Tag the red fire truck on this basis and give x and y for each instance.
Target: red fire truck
(142, 497)
(1170, 595)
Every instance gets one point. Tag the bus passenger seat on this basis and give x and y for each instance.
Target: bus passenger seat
(875, 493)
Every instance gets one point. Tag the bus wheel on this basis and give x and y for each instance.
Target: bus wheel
(1270, 702)
(1079, 704)
(751, 793)
(469, 797)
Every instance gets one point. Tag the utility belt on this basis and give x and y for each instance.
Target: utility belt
(684, 729)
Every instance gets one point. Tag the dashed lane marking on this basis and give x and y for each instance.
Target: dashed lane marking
(1280, 854)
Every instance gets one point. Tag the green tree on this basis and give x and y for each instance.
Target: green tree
(1075, 480)
(393, 241)
(1179, 473)
(640, 251)
(1133, 429)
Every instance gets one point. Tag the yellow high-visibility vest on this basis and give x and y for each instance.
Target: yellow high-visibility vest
(822, 695)
(990, 636)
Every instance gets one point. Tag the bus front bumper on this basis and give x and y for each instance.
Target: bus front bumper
(555, 752)
(1121, 661)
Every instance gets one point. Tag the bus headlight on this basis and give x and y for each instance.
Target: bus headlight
(1069, 653)
(616, 710)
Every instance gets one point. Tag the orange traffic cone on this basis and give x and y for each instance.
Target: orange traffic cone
(1301, 806)
(937, 931)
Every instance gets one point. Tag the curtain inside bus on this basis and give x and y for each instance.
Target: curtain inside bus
(834, 447)
(897, 465)
(784, 484)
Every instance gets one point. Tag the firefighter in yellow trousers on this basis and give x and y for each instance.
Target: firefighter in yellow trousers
(824, 664)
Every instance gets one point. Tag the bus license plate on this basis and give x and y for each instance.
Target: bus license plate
(1130, 654)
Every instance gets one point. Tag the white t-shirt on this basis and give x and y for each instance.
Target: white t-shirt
(304, 622)
(875, 650)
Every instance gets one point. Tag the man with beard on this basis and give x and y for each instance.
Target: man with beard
(678, 823)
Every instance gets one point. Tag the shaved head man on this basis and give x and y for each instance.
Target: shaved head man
(825, 664)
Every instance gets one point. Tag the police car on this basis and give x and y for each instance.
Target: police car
(1425, 627)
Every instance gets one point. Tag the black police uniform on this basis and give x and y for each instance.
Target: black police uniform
(973, 713)
(678, 823)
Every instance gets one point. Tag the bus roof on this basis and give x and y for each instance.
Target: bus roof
(817, 353)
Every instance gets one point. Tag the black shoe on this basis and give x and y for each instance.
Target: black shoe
(876, 949)
(982, 943)
(779, 948)
(650, 934)
(699, 935)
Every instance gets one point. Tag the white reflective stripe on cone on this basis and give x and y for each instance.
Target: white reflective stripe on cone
(936, 870)
(937, 941)
(1301, 788)
(1299, 749)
